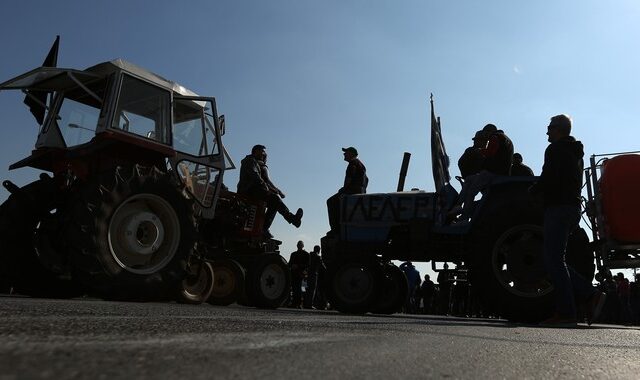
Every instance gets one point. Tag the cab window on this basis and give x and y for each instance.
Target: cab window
(143, 110)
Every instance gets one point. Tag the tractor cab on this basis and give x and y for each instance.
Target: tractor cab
(115, 113)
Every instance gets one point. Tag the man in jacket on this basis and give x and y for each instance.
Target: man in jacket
(560, 186)
(355, 182)
(518, 169)
(498, 156)
(253, 185)
(299, 265)
(472, 160)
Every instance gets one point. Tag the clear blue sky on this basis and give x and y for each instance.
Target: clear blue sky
(306, 78)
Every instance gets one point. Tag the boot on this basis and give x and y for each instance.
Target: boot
(295, 219)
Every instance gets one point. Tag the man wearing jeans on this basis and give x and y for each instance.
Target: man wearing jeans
(561, 184)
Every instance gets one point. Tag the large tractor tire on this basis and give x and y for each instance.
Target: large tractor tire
(133, 234)
(197, 286)
(353, 285)
(229, 282)
(23, 240)
(394, 290)
(510, 275)
(268, 281)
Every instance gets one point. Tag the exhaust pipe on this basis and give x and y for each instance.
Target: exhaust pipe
(403, 170)
(11, 187)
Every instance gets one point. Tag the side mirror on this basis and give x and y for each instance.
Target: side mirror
(221, 124)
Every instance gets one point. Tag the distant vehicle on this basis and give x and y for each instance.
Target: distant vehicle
(134, 207)
(499, 251)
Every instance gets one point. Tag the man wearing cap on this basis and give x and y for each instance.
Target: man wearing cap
(253, 184)
(518, 169)
(560, 185)
(355, 182)
(472, 161)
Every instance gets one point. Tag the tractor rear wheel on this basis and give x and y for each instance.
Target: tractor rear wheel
(393, 292)
(268, 281)
(509, 271)
(353, 284)
(22, 217)
(198, 285)
(133, 234)
(229, 282)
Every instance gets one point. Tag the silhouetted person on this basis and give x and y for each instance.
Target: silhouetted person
(298, 263)
(312, 277)
(560, 185)
(413, 279)
(320, 299)
(498, 156)
(253, 185)
(518, 169)
(623, 289)
(634, 300)
(355, 182)
(472, 160)
(427, 291)
(444, 285)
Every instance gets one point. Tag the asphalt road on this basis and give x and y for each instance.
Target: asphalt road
(96, 339)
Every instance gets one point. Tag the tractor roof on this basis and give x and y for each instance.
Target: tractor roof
(53, 78)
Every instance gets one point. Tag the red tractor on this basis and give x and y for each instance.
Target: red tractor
(131, 202)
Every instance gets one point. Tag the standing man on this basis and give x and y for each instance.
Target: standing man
(312, 277)
(560, 185)
(355, 182)
(427, 290)
(299, 264)
(518, 169)
(253, 184)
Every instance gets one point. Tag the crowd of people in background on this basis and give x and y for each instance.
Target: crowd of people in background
(622, 305)
(451, 293)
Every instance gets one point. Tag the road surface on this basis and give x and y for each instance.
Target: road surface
(93, 339)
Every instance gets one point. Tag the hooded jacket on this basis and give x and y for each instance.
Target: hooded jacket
(561, 179)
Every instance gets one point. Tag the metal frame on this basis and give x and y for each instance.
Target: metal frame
(610, 254)
(60, 80)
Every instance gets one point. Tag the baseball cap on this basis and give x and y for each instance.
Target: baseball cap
(351, 150)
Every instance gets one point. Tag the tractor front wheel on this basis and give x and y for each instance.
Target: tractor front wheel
(228, 284)
(353, 285)
(198, 285)
(268, 281)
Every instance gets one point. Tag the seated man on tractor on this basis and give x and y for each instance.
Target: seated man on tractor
(253, 185)
(498, 157)
(472, 160)
(355, 182)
